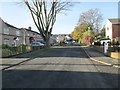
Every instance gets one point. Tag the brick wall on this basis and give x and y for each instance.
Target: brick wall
(116, 31)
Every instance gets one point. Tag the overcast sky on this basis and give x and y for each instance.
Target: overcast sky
(18, 15)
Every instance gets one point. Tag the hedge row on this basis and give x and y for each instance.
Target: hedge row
(8, 51)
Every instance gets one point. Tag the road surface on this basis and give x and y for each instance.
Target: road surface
(60, 67)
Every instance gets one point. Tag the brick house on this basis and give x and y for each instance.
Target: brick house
(112, 29)
(12, 35)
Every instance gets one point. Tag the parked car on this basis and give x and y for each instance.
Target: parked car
(37, 44)
(101, 41)
(56, 44)
(105, 40)
(44, 43)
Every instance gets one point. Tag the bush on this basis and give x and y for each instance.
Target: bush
(8, 51)
(109, 43)
(113, 42)
(5, 46)
(24, 48)
(117, 43)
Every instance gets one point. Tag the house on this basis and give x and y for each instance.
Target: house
(63, 38)
(112, 29)
(53, 39)
(29, 35)
(14, 36)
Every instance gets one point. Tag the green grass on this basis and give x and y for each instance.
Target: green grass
(41, 51)
(35, 53)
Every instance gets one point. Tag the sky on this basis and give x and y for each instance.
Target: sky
(19, 16)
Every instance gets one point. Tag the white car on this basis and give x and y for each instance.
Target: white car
(104, 40)
(37, 44)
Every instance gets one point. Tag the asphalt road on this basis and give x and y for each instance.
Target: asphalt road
(63, 67)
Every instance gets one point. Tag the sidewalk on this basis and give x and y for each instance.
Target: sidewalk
(21, 58)
(100, 57)
(8, 62)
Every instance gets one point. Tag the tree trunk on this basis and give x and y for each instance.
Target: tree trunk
(47, 40)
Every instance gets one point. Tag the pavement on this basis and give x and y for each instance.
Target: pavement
(90, 51)
(6, 63)
(101, 57)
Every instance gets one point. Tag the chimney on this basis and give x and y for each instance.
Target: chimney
(29, 28)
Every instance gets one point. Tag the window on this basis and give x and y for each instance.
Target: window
(107, 28)
(38, 35)
(28, 34)
(31, 34)
(18, 33)
(6, 31)
(6, 41)
(34, 34)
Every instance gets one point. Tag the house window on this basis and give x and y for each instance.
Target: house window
(38, 35)
(28, 34)
(31, 34)
(18, 33)
(6, 41)
(6, 31)
(107, 28)
(34, 34)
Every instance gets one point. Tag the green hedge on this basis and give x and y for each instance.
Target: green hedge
(8, 51)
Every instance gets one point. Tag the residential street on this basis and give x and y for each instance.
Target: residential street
(60, 67)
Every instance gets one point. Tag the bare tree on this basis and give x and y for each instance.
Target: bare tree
(93, 17)
(44, 13)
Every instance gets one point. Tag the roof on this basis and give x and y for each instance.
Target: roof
(115, 21)
(18, 28)
(32, 31)
(21, 28)
(11, 26)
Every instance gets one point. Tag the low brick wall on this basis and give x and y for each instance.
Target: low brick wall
(115, 55)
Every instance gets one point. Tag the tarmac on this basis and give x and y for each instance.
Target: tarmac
(99, 57)
(93, 54)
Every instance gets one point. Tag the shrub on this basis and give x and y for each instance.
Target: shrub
(8, 51)
(109, 43)
(117, 43)
(25, 48)
(113, 42)
(5, 46)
